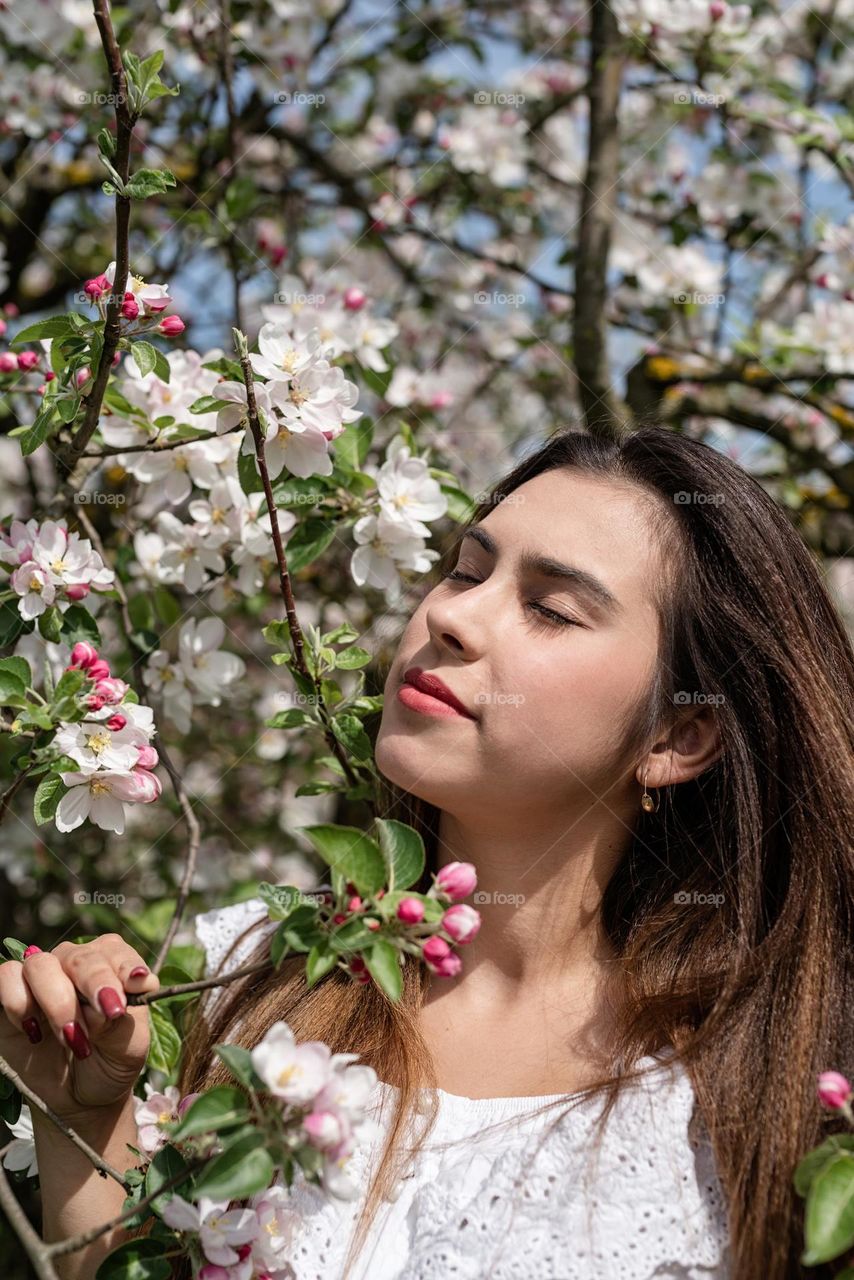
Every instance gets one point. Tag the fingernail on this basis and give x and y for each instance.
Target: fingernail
(31, 951)
(110, 1002)
(33, 1030)
(139, 972)
(77, 1040)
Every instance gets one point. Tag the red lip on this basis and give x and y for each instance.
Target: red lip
(436, 688)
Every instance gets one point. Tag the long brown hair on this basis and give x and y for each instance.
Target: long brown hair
(754, 995)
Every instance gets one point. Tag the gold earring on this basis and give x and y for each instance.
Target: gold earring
(647, 803)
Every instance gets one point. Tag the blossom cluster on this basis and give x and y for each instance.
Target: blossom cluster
(50, 566)
(112, 746)
(141, 302)
(201, 674)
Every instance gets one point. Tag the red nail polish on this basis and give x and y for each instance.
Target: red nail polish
(110, 1002)
(32, 1029)
(77, 1039)
(31, 951)
(139, 972)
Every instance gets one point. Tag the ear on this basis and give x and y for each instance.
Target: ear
(692, 745)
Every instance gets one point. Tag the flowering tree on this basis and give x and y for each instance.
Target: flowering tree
(370, 267)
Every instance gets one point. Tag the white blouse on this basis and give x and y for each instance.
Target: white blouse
(485, 1199)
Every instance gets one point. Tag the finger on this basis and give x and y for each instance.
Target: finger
(54, 993)
(17, 1001)
(133, 973)
(95, 979)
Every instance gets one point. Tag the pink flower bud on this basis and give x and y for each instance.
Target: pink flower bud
(117, 722)
(323, 1129)
(8, 362)
(354, 903)
(834, 1090)
(441, 400)
(77, 590)
(137, 787)
(96, 286)
(130, 307)
(373, 925)
(171, 326)
(213, 1271)
(3, 327)
(49, 377)
(83, 654)
(410, 910)
(339, 917)
(111, 689)
(440, 958)
(354, 299)
(186, 1101)
(94, 702)
(148, 757)
(243, 1251)
(99, 669)
(457, 880)
(716, 11)
(117, 355)
(31, 950)
(435, 948)
(83, 375)
(277, 254)
(461, 922)
(28, 360)
(12, 309)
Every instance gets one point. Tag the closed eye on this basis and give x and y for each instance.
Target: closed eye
(542, 610)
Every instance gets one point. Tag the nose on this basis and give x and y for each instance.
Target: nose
(459, 622)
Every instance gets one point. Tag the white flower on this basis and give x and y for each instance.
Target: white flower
(35, 587)
(208, 669)
(101, 798)
(408, 493)
(282, 356)
(275, 1228)
(219, 1228)
(187, 553)
(384, 546)
(152, 1112)
(153, 297)
(218, 517)
(295, 1073)
(489, 140)
(21, 1154)
(169, 679)
(94, 746)
(235, 411)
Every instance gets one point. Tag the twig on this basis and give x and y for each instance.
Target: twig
(36, 1249)
(183, 988)
(106, 1170)
(192, 853)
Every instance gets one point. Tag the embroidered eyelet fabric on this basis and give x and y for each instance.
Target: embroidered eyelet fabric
(487, 1200)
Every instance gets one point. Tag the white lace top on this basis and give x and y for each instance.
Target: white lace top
(471, 1207)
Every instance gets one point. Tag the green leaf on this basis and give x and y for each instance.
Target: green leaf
(168, 609)
(50, 624)
(307, 541)
(164, 1048)
(49, 792)
(165, 1165)
(350, 659)
(45, 424)
(11, 623)
(460, 505)
(68, 407)
(218, 1108)
(277, 632)
(247, 472)
(384, 967)
(78, 624)
(829, 1214)
(403, 850)
(141, 610)
(350, 851)
(205, 404)
(349, 731)
(53, 327)
(19, 668)
(140, 1259)
(354, 442)
(242, 1169)
(289, 719)
(149, 359)
(239, 1063)
(281, 899)
(149, 182)
(11, 686)
(15, 947)
(814, 1161)
(387, 905)
(318, 963)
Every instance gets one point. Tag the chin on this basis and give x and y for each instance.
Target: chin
(405, 763)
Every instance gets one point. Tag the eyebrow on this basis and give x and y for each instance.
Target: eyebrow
(547, 567)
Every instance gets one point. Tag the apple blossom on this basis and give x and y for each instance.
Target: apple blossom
(293, 1072)
(457, 880)
(410, 910)
(219, 1228)
(834, 1090)
(101, 797)
(439, 957)
(461, 922)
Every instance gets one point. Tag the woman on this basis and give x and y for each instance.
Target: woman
(650, 765)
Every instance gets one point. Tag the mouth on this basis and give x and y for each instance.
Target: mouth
(426, 693)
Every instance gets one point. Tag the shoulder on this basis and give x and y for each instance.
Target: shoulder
(217, 929)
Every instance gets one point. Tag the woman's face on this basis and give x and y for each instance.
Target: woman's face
(546, 698)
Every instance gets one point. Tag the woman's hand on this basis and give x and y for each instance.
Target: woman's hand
(77, 1057)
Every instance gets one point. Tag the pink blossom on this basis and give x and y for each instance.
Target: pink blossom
(99, 669)
(324, 1129)
(148, 757)
(457, 880)
(410, 910)
(95, 701)
(354, 298)
(461, 922)
(834, 1090)
(96, 286)
(171, 326)
(77, 590)
(8, 362)
(28, 359)
(440, 958)
(130, 307)
(83, 655)
(116, 722)
(112, 689)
